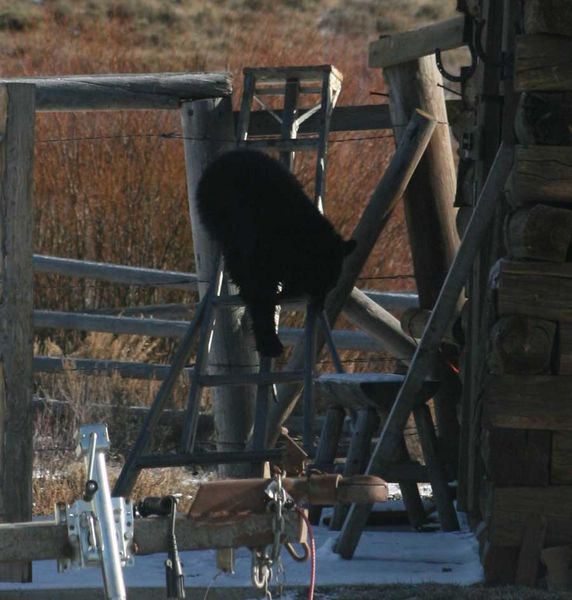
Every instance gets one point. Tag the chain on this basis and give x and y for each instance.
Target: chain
(263, 560)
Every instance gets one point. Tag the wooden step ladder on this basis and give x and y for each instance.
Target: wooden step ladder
(289, 82)
(292, 83)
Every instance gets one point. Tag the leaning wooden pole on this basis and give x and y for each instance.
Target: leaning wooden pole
(208, 130)
(434, 331)
(17, 113)
(428, 201)
(373, 220)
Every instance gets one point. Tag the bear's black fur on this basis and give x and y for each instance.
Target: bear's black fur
(271, 235)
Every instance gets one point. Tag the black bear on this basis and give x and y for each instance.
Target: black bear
(273, 238)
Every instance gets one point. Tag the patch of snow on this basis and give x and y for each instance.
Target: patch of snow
(382, 557)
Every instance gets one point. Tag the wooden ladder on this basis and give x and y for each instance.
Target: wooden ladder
(290, 83)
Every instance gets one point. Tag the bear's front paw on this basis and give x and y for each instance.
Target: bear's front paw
(271, 347)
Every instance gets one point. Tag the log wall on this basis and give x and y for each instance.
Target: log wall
(526, 416)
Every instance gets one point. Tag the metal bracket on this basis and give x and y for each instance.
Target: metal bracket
(100, 528)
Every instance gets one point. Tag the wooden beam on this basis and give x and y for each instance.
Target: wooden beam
(128, 92)
(121, 274)
(409, 45)
(548, 16)
(17, 106)
(564, 349)
(543, 63)
(344, 339)
(561, 463)
(511, 506)
(380, 324)
(530, 549)
(429, 344)
(528, 402)
(541, 174)
(48, 540)
(232, 351)
(539, 232)
(534, 289)
(544, 118)
(520, 344)
(516, 456)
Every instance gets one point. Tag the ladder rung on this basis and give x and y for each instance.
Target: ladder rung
(287, 145)
(236, 300)
(278, 74)
(153, 461)
(251, 378)
(281, 90)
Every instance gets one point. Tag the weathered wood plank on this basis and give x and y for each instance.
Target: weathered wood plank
(541, 174)
(528, 402)
(511, 506)
(516, 457)
(548, 16)
(344, 339)
(534, 289)
(127, 91)
(530, 549)
(409, 45)
(17, 104)
(543, 63)
(46, 540)
(539, 232)
(561, 464)
(564, 350)
(544, 118)
(520, 344)
(121, 274)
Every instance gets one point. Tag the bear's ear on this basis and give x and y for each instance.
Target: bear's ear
(349, 246)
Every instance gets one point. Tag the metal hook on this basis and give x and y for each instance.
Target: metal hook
(466, 72)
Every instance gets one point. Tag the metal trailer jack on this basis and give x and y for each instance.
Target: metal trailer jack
(100, 528)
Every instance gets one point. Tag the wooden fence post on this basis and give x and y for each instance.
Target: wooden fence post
(429, 206)
(208, 130)
(17, 112)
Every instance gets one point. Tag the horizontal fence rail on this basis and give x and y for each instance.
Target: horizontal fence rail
(344, 340)
(121, 274)
(173, 280)
(126, 91)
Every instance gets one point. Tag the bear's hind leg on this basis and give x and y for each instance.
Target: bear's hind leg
(262, 312)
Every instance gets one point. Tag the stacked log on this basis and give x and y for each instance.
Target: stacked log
(526, 435)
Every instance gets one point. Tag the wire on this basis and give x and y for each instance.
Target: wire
(178, 136)
(312, 586)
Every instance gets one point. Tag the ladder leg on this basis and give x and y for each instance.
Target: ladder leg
(130, 471)
(327, 447)
(410, 492)
(289, 129)
(358, 454)
(330, 342)
(205, 340)
(441, 490)
(308, 396)
(261, 415)
(325, 113)
(244, 114)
